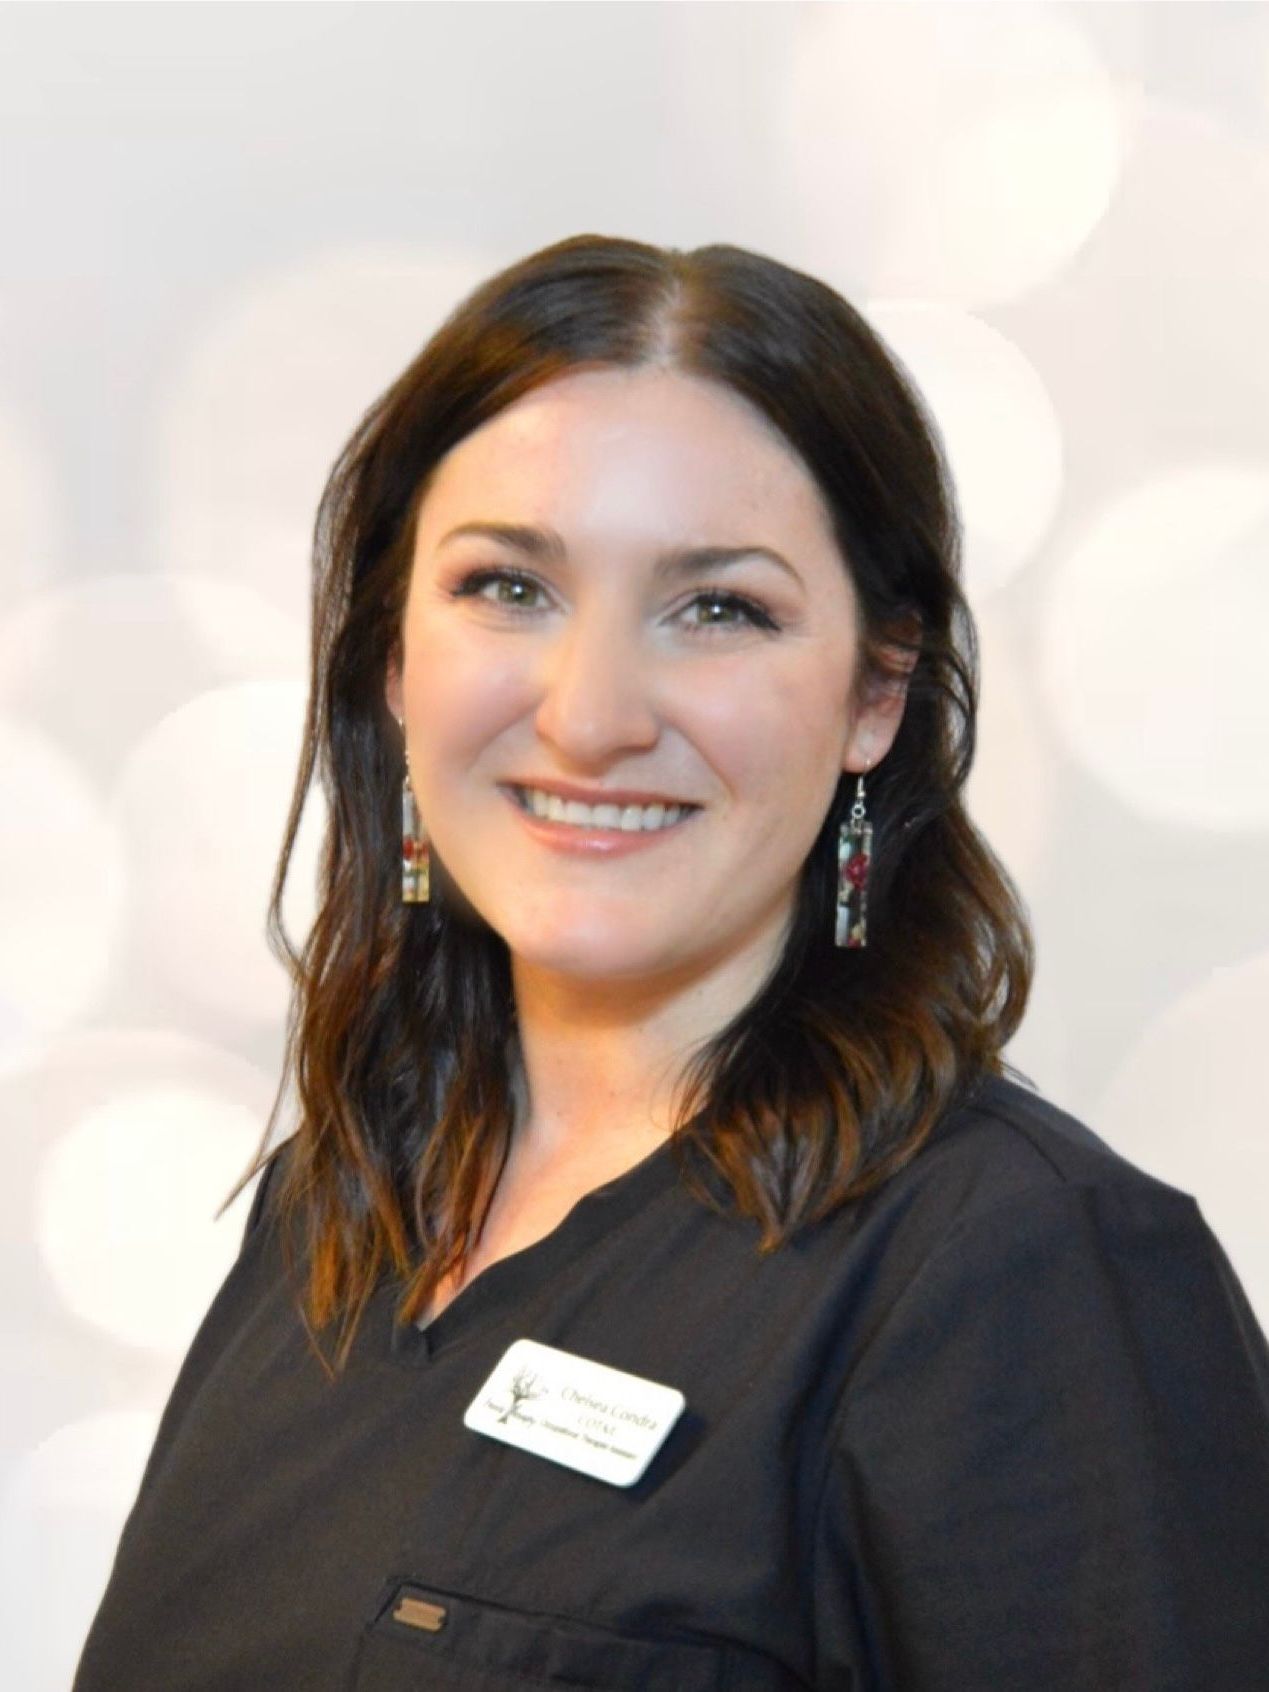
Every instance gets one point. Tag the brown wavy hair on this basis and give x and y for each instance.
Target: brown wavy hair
(833, 1075)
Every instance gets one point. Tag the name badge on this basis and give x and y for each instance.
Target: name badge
(574, 1411)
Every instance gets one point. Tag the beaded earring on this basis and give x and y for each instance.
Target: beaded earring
(854, 854)
(415, 858)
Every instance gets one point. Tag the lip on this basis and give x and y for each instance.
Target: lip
(591, 842)
(599, 796)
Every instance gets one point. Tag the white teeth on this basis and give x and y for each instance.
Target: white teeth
(630, 818)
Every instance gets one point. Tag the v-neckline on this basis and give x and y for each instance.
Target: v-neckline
(518, 1274)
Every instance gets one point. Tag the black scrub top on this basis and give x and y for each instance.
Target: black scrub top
(1001, 1426)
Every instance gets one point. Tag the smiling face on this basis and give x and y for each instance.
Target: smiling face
(603, 664)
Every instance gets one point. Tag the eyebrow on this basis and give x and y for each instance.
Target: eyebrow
(548, 546)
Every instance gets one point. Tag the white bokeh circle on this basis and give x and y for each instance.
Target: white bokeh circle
(80, 1078)
(32, 514)
(124, 1208)
(1151, 643)
(269, 390)
(999, 427)
(960, 151)
(98, 661)
(61, 886)
(202, 803)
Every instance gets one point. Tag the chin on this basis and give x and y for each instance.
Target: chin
(611, 956)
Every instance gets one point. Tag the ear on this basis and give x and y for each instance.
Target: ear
(392, 687)
(877, 722)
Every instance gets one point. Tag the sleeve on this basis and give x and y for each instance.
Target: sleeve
(1050, 1468)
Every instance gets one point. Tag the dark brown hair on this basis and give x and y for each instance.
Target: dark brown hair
(832, 1077)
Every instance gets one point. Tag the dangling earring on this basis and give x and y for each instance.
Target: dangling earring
(415, 858)
(854, 855)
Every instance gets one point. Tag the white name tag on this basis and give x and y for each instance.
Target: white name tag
(574, 1411)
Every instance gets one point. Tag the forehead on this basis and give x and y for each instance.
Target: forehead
(636, 454)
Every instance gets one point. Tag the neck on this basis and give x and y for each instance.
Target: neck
(594, 1071)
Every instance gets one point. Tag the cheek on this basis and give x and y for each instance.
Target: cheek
(459, 697)
(771, 732)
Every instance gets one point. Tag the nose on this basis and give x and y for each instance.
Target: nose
(596, 689)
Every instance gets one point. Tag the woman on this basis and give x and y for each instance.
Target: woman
(717, 1308)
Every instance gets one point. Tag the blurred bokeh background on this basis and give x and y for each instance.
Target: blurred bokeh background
(225, 228)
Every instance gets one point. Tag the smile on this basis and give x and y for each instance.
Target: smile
(604, 830)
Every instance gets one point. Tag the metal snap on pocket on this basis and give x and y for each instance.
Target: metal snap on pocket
(419, 1612)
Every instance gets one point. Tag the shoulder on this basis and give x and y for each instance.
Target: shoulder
(1063, 1391)
(1011, 1145)
(1024, 1259)
(268, 1181)
(1015, 1212)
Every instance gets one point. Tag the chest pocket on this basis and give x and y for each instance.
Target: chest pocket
(425, 1639)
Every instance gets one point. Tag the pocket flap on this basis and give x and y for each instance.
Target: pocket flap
(426, 1636)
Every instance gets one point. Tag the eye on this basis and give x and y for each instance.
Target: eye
(473, 584)
(753, 613)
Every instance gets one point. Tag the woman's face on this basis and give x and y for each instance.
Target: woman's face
(592, 666)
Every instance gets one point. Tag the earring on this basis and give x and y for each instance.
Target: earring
(415, 858)
(854, 855)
